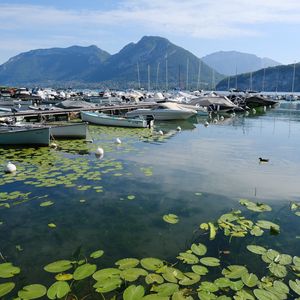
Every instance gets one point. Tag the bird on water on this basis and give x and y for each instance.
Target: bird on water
(263, 159)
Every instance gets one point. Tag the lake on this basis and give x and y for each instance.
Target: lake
(65, 203)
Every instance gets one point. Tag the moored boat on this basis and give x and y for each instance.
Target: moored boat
(13, 135)
(103, 119)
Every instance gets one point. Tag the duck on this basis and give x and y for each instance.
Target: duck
(263, 159)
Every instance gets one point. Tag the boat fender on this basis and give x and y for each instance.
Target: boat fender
(178, 128)
(99, 152)
(118, 141)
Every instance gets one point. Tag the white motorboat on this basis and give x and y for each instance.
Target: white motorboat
(164, 111)
(14, 135)
(103, 119)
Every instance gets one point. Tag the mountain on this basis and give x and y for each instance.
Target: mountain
(279, 78)
(91, 66)
(232, 62)
(52, 65)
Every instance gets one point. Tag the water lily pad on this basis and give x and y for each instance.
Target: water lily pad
(207, 286)
(127, 263)
(203, 295)
(295, 286)
(234, 271)
(58, 290)
(199, 249)
(236, 285)
(296, 260)
(107, 285)
(171, 218)
(33, 291)
(165, 289)
(52, 225)
(84, 271)
(6, 288)
(181, 295)
(210, 261)
(201, 270)
(154, 278)
(262, 294)
(130, 197)
(58, 266)
(212, 231)
(151, 264)
(97, 254)
(7, 270)
(267, 225)
(134, 292)
(189, 278)
(281, 286)
(222, 282)
(63, 277)
(46, 203)
(155, 297)
(188, 258)
(107, 273)
(257, 207)
(256, 249)
(285, 259)
(243, 295)
(133, 274)
(250, 280)
(171, 274)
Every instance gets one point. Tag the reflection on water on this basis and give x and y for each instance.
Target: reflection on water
(163, 172)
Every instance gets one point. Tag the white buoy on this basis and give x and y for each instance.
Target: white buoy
(254, 111)
(265, 108)
(99, 151)
(53, 145)
(215, 121)
(178, 128)
(161, 132)
(222, 118)
(10, 168)
(118, 141)
(206, 124)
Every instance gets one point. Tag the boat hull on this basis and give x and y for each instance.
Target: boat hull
(74, 131)
(163, 115)
(101, 119)
(25, 136)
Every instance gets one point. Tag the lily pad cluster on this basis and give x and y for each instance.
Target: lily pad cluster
(255, 206)
(295, 207)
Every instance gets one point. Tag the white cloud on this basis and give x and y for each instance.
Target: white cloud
(190, 18)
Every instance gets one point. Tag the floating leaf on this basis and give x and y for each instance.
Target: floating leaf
(134, 292)
(131, 197)
(151, 264)
(84, 271)
(285, 259)
(127, 263)
(210, 261)
(198, 194)
(295, 286)
(201, 270)
(133, 274)
(234, 271)
(281, 286)
(199, 249)
(188, 258)
(107, 273)
(46, 203)
(171, 218)
(107, 285)
(51, 225)
(256, 249)
(58, 290)
(58, 266)
(250, 280)
(263, 294)
(236, 285)
(203, 295)
(222, 282)
(243, 295)
(165, 289)
(212, 231)
(207, 286)
(33, 291)
(181, 295)
(189, 278)
(296, 260)
(63, 277)
(6, 288)
(97, 254)
(268, 225)
(256, 231)
(257, 207)
(152, 278)
(7, 270)
(155, 297)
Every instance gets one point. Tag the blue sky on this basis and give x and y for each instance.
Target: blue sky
(267, 28)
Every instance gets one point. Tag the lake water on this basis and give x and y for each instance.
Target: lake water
(117, 203)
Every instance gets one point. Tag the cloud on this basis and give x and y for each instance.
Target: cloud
(200, 19)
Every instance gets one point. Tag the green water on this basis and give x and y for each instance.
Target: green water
(92, 209)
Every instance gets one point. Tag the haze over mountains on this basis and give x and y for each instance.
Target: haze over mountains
(233, 62)
(152, 61)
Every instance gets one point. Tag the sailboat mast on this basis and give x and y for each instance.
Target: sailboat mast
(167, 72)
(250, 87)
(199, 74)
(157, 72)
(293, 82)
(148, 77)
(138, 75)
(187, 74)
(263, 81)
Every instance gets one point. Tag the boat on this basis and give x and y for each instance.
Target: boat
(14, 135)
(103, 119)
(164, 111)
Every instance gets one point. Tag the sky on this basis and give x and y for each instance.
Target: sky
(266, 28)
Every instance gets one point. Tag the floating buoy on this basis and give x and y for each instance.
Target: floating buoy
(254, 111)
(53, 145)
(222, 118)
(178, 128)
(10, 168)
(206, 124)
(161, 132)
(99, 151)
(215, 121)
(118, 141)
(265, 108)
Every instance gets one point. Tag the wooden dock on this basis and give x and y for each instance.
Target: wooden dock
(67, 114)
